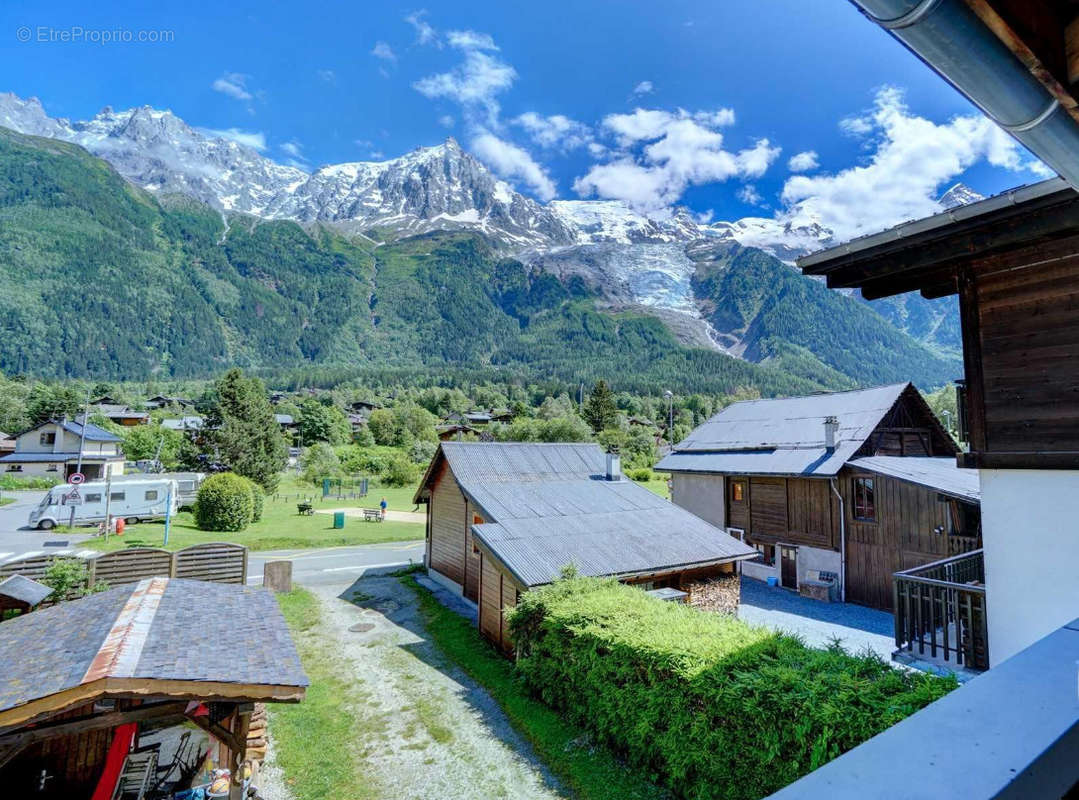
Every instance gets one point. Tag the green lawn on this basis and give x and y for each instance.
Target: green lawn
(280, 528)
(334, 769)
(590, 770)
(5, 500)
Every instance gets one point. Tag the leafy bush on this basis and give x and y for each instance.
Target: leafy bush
(399, 472)
(713, 706)
(258, 500)
(642, 475)
(224, 503)
(421, 451)
(69, 578)
(12, 483)
(320, 461)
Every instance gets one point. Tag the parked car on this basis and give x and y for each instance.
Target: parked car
(132, 500)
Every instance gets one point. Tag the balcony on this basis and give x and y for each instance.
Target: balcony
(940, 614)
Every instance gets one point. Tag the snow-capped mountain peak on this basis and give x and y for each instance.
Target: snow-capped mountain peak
(959, 195)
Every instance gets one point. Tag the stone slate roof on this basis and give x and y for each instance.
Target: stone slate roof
(785, 436)
(549, 505)
(24, 590)
(158, 629)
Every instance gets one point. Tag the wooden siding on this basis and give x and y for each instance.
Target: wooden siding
(810, 516)
(768, 506)
(497, 594)
(737, 513)
(1026, 392)
(902, 537)
(472, 554)
(448, 539)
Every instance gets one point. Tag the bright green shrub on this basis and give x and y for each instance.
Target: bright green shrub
(715, 707)
(258, 499)
(224, 503)
(400, 471)
(643, 475)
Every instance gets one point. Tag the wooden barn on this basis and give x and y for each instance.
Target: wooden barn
(836, 491)
(502, 518)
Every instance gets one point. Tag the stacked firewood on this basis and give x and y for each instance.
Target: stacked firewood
(256, 734)
(721, 594)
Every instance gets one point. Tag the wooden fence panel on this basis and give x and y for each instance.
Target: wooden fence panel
(221, 562)
(34, 564)
(130, 566)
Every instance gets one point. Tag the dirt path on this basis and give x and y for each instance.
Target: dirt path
(391, 515)
(435, 733)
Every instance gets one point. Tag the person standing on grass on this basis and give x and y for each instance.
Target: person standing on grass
(383, 505)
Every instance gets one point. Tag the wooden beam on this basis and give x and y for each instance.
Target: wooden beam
(1017, 460)
(972, 359)
(949, 248)
(1035, 33)
(219, 732)
(92, 722)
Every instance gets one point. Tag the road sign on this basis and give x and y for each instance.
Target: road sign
(75, 478)
(73, 498)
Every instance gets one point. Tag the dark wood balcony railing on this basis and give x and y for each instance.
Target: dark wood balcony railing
(940, 611)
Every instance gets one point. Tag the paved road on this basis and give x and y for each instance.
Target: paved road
(336, 565)
(16, 537)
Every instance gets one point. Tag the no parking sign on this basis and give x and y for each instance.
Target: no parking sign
(75, 478)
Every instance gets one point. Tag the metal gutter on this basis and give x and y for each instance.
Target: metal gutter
(842, 541)
(949, 37)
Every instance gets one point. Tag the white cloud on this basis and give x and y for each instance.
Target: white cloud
(234, 84)
(644, 87)
(910, 157)
(512, 162)
(749, 194)
(662, 153)
(384, 52)
(253, 139)
(471, 40)
(327, 75)
(293, 148)
(475, 82)
(555, 131)
(803, 162)
(377, 155)
(856, 126)
(425, 34)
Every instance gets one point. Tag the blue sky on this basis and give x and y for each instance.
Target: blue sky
(322, 83)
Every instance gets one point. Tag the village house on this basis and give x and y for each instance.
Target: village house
(836, 491)
(7, 443)
(503, 518)
(165, 401)
(52, 449)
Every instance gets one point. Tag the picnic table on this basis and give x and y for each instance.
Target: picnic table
(372, 515)
(305, 508)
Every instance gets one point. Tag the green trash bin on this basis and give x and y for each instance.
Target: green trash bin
(339, 519)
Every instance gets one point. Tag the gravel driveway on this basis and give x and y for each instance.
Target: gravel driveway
(439, 734)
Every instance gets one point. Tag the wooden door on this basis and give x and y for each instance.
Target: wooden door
(788, 567)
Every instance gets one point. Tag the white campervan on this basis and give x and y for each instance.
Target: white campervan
(133, 501)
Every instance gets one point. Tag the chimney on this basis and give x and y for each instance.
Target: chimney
(831, 433)
(614, 465)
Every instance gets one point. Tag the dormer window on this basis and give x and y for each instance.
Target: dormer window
(48, 438)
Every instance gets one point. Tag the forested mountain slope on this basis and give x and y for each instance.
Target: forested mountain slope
(99, 278)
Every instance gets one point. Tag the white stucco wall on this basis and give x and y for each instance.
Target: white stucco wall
(1030, 529)
(702, 495)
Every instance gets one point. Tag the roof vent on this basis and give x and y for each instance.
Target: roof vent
(614, 465)
(831, 433)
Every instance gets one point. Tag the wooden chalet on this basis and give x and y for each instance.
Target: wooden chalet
(837, 491)
(503, 518)
(86, 677)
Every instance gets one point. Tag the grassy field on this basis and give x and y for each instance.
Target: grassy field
(591, 771)
(334, 769)
(6, 500)
(281, 527)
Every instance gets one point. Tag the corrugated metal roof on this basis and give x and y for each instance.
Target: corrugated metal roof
(549, 505)
(56, 458)
(785, 436)
(76, 642)
(656, 539)
(941, 474)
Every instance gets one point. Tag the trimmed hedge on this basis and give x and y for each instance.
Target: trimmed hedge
(713, 707)
(224, 503)
(258, 500)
